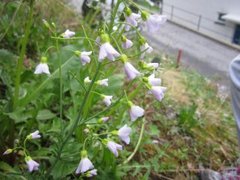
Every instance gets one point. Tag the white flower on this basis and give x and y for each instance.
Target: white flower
(87, 80)
(155, 21)
(42, 68)
(34, 135)
(68, 34)
(154, 81)
(107, 100)
(91, 173)
(145, 47)
(136, 112)
(107, 50)
(152, 65)
(127, 44)
(84, 165)
(84, 56)
(103, 82)
(124, 133)
(114, 147)
(132, 20)
(158, 92)
(105, 119)
(131, 71)
(32, 165)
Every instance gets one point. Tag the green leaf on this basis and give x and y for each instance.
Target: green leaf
(6, 167)
(45, 114)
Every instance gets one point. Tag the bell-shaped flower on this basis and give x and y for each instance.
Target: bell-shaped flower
(103, 82)
(154, 81)
(107, 100)
(87, 80)
(91, 173)
(114, 147)
(85, 164)
(158, 92)
(32, 165)
(135, 111)
(131, 20)
(126, 43)
(153, 65)
(34, 135)
(103, 119)
(68, 34)
(124, 133)
(154, 22)
(131, 71)
(106, 49)
(84, 56)
(42, 67)
(146, 48)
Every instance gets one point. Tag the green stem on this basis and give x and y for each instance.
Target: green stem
(21, 57)
(113, 15)
(78, 119)
(60, 81)
(138, 143)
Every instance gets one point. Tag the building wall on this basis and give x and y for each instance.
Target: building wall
(202, 15)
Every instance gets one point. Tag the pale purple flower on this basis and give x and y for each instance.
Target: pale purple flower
(158, 92)
(127, 44)
(91, 173)
(87, 80)
(68, 34)
(136, 112)
(114, 147)
(34, 135)
(32, 165)
(42, 68)
(105, 119)
(84, 56)
(153, 65)
(107, 50)
(107, 100)
(154, 22)
(145, 47)
(103, 82)
(124, 133)
(132, 20)
(131, 71)
(154, 81)
(84, 165)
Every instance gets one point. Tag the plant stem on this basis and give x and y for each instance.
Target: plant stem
(78, 119)
(60, 83)
(138, 143)
(21, 57)
(113, 15)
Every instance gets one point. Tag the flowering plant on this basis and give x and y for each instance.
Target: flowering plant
(75, 91)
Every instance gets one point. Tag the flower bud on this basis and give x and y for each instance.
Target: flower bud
(144, 15)
(44, 59)
(123, 58)
(8, 151)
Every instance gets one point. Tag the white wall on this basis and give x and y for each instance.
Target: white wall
(77, 5)
(208, 9)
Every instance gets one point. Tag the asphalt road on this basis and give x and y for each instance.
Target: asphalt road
(210, 58)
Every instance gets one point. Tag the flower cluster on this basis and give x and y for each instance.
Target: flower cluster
(114, 140)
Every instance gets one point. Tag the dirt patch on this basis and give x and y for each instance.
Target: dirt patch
(173, 80)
